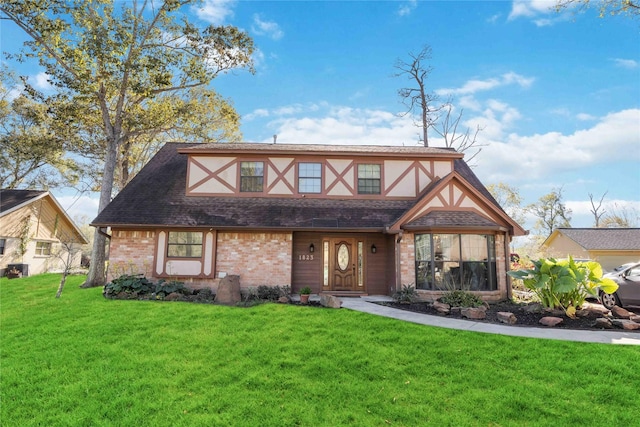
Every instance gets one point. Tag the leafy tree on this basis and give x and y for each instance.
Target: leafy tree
(509, 199)
(32, 148)
(630, 8)
(551, 212)
(621, 217)
(120, 73)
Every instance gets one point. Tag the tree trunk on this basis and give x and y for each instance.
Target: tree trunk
(97, 275)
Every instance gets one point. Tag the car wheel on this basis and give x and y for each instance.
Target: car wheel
(609, 300)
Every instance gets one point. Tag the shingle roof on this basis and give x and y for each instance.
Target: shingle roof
(317, 148)
(156, 197)
(452, 219)
(604, 238)
(9, 199)
(147, 200)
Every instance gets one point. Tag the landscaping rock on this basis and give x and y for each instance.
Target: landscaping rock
(477, 313)
(635, 317)
(283, 300)
(173, 296)
(594, 308)
(626, 324)
(620, 313)
(442, 307)
(602, 323)
(455, 311)
(507, 317)
(229, 290)
(330, 301)
(533, 308)
(551, 321)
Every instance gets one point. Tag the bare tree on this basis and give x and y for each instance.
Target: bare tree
(416, 96)
(461, 141)
(595, 210)
(69, 249)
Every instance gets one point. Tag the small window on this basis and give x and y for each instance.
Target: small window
(368, 179)
(43, 248)
(251, 176)
(184, 244)
(309, 177)
(3, 243)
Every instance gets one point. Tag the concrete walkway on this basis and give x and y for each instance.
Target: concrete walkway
(367, 305)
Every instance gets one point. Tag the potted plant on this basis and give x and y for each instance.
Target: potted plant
(304, 295)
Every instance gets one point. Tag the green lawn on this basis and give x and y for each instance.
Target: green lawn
(82, 360)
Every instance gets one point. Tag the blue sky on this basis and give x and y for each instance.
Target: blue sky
(558, 95)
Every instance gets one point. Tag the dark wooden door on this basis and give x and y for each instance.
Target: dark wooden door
(344, 265)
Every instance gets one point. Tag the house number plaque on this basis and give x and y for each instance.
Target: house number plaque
(305, 257)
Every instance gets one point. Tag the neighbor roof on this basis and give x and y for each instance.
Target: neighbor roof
(157, 197)
(602, 238)
(12, 199)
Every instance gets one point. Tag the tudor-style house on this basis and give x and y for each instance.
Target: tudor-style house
(347, 220)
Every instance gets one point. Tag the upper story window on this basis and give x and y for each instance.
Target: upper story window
(184, 244)
(251, 176)
(309, 177)
(43, 248)
(368, 179)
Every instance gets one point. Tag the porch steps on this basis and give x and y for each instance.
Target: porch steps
(345, 293)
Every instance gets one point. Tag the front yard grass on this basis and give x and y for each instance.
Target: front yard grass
(82, 360)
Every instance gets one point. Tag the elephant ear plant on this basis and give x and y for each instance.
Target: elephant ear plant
(564, 283)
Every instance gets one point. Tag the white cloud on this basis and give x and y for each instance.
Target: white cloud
(474, 86)
(215, 11)
(530, 8)
(585, 117)
(626, 63)
(346, 126)
(78, 207)
(266, 28)
(616, 136)
(41, 81)
(407, 7)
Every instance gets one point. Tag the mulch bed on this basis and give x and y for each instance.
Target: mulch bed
(584, 321)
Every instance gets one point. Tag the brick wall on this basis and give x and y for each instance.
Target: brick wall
(407, 260)
(131, 252)
(258, 258)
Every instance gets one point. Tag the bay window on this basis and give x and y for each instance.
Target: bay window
(455, 261)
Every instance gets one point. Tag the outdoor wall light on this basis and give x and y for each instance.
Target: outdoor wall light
(312, 248)
(374, 249)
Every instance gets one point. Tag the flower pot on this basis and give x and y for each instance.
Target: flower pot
(304, 298)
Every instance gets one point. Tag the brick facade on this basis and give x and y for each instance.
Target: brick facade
(258, 258)
(131, 252)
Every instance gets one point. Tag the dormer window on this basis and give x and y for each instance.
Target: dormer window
(309, 177)
(251, 176)
(368, 179)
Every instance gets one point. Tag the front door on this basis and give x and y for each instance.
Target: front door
(343, 276)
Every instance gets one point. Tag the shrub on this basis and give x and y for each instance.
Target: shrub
(272, 293)
(406, 295)
(459, 298)
(564, 284)
(129, 283)
(166, 288)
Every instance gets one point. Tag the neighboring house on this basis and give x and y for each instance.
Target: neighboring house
(611, 247)
(36, 233)
(347, 220)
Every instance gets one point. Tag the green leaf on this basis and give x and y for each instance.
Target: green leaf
(608, 286)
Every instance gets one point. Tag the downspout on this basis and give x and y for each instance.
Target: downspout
(102, 231)
(507, 264)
